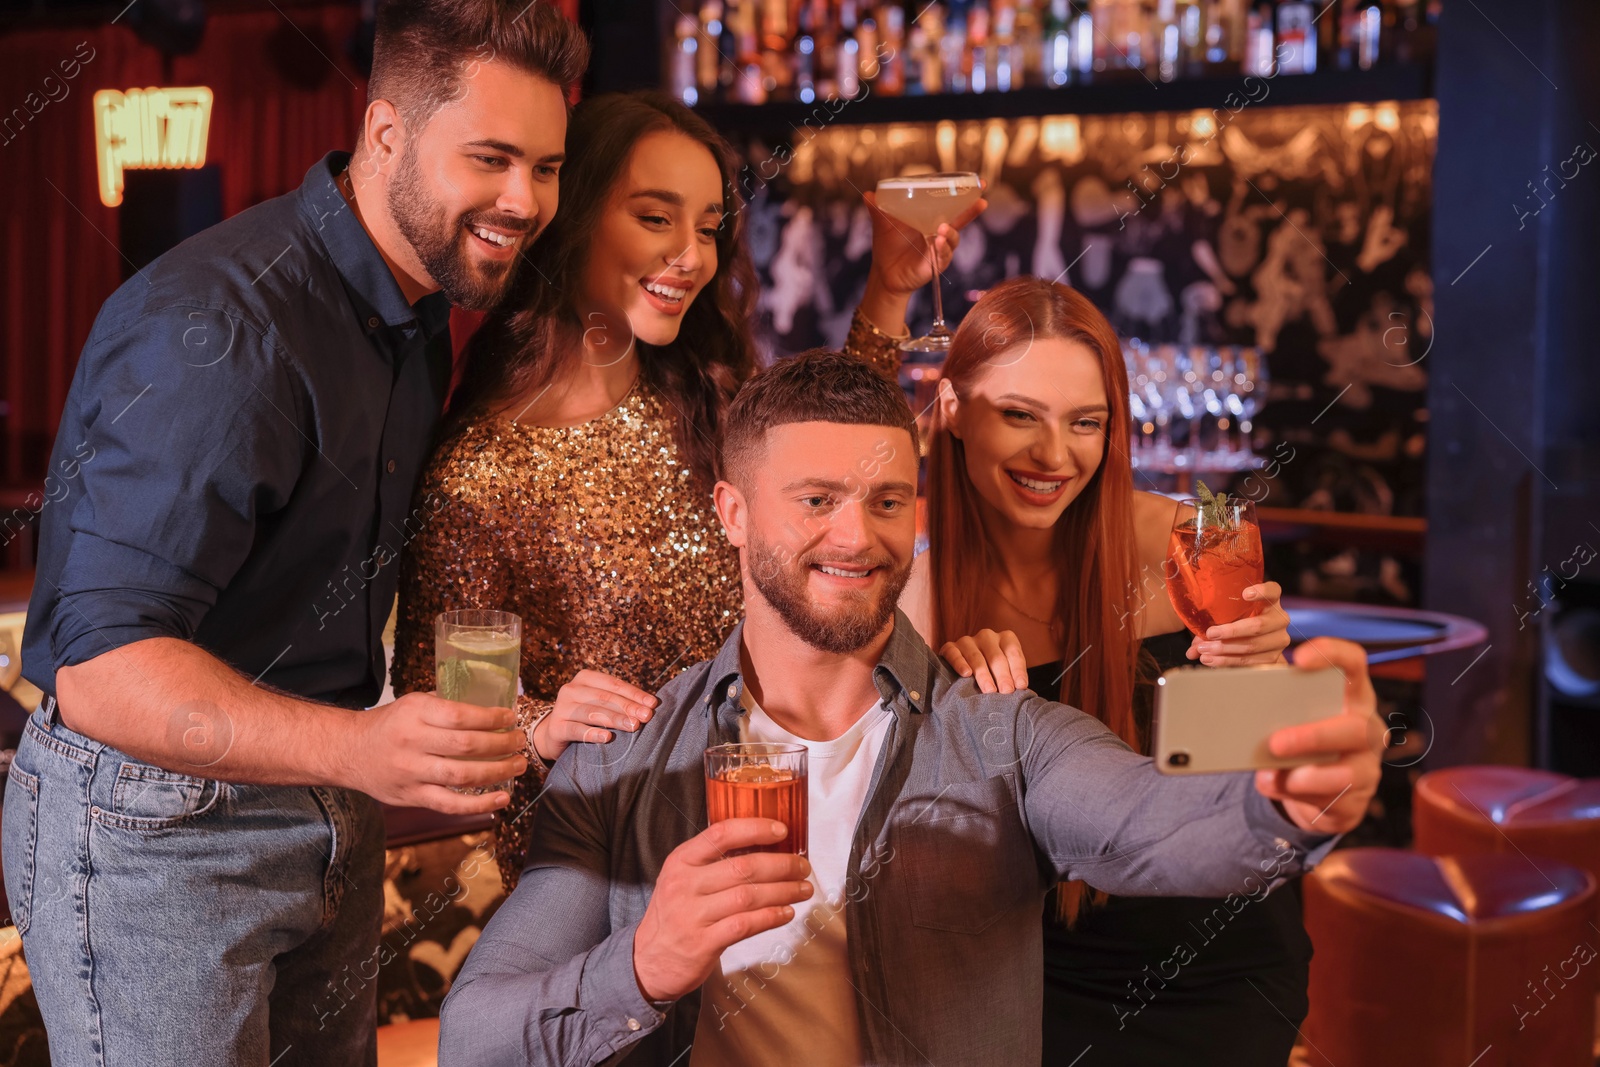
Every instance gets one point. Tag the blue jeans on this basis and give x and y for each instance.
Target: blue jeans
(171, 919)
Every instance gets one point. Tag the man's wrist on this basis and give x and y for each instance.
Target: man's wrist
(339, 762)
(657, 1002)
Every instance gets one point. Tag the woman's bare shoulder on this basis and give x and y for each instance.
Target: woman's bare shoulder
(1152, 525)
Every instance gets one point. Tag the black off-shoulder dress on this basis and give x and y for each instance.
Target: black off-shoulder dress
(1172, 980)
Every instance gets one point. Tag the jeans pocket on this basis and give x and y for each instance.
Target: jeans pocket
(148, 799)
(19, 831)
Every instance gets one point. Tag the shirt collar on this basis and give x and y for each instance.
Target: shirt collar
(907, 666)
(366, 276)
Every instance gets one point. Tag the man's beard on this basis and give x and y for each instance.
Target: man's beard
(783, 580)
(437, 241)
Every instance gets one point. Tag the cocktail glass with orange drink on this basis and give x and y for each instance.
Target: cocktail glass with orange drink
(1213, 556)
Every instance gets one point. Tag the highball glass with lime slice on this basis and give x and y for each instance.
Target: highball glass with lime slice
(478, 656)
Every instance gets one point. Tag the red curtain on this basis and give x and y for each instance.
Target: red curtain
(285, 94)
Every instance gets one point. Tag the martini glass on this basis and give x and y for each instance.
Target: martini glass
(924, 202)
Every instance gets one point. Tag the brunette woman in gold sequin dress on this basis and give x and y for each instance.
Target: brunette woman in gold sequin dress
(573, 482)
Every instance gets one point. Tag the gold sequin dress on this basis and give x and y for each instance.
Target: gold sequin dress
(599, 536)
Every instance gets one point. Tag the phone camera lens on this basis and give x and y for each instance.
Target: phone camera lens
(1178, 759)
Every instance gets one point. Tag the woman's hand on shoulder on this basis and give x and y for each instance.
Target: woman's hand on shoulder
(993, 660)
(1258, 639)
(589, 708)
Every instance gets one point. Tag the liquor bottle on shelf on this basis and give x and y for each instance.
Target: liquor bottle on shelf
(932, 29)
(1225, 35)
(1126, 37)
(805, 56)
(1167, 39)
(1258, 45)
(847, 61)
(1191, 39)
(1110, 43)
(1368, 35)
(708, 60)
(1029, 69)
(916, 57)
(1085, 52)
(742, 45)
(980, 55)
(1058, 45)
(824, 49)
(1007, 69)
(686, 42)
(867, 49)
(777, 48)
(892, 67)
(1297, 37)
(953, 59)
(727, 54)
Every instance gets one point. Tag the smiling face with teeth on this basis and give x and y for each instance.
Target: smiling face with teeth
(655, 245)
(473, 187)
(1032, 429)
(826, 519)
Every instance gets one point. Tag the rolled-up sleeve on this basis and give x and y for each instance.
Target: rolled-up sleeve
(550, 982)
(194, 435)
(1102, 813)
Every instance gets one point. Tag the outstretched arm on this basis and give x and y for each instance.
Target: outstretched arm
(1102, 813)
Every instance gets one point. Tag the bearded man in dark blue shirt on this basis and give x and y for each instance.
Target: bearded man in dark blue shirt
(192, 843)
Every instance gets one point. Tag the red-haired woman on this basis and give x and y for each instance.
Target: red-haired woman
(1030, 488)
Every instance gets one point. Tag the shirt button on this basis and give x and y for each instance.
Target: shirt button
(389, 466)
(372, 323)
(915, 695)
(633, 1024)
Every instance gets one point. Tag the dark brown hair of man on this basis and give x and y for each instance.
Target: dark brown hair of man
(816, 386)
(424, 48)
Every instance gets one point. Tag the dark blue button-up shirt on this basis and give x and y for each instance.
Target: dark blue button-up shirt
(238, 452)
(978, 803)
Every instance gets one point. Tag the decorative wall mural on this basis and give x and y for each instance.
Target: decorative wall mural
(1304, 231)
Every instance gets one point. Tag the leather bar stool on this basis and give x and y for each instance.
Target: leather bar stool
(409, 1044)
(1445, 961)
(1509, 809)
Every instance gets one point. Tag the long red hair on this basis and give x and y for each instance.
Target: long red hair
(1094, 541)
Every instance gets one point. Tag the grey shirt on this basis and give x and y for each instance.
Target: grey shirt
(979, 803)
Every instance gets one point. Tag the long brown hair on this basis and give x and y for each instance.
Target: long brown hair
(1093, 542)
(521, 345)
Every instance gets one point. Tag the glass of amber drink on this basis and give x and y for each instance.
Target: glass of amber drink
(761, 781)
(1213, 556)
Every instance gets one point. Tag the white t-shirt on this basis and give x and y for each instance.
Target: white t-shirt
(785, 996)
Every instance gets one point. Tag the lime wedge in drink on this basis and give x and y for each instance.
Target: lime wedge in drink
(476, 681)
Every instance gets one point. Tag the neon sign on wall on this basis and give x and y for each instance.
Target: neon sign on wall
(148, 128)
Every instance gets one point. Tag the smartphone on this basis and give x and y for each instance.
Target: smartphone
(1209, 721)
